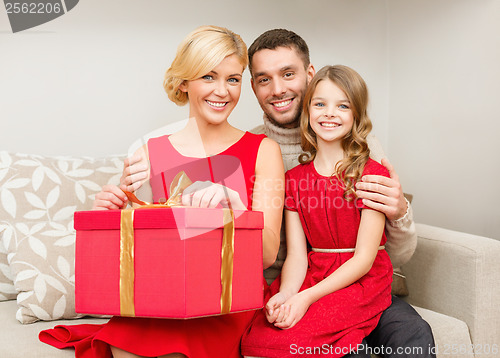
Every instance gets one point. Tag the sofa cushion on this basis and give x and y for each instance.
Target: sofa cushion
(450, 334)
(38, 198)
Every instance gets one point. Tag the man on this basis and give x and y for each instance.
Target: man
(280, 71)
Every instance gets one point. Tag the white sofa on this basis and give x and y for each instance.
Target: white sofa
(453, 278)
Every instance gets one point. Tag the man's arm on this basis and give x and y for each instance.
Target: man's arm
(401, 238)
(386, 195)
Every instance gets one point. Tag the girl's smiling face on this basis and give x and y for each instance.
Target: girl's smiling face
(330, 114)
(213, 96)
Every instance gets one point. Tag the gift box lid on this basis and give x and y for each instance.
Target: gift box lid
(158, 218)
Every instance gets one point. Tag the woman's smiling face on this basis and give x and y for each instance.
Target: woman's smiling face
(213, 96)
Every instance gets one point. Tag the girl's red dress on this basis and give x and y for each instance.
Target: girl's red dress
(335, 324)
(208, 337)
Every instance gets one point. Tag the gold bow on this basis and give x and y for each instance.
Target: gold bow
(127, 271)
(179, 183)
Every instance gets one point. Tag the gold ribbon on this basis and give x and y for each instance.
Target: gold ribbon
(127, 270)
(227, 255)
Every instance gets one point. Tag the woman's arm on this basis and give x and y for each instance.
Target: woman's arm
(268, 196)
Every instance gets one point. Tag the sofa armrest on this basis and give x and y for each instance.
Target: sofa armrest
(457, 274)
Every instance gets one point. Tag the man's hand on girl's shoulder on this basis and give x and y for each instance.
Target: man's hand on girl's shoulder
(383, 194)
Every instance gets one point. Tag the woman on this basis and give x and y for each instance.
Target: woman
(206, 73)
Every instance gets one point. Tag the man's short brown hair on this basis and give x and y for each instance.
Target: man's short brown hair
(275, 38)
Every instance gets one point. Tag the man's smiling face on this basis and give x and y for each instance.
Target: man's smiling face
(279, 81)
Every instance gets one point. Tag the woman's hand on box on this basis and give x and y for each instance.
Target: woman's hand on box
(135, 171)
(205, 194)
(110, 197)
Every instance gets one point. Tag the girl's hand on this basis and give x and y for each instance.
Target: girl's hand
(205, 194)
(110, 197)
(292, 311)
(135, 171)
(273, 305)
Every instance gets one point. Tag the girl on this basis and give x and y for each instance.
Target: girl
(328, 298)
(206, 73)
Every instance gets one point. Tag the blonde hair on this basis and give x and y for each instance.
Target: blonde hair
(199, 53)
(354, 144)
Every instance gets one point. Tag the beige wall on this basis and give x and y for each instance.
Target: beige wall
(444, 119)
(89, 83)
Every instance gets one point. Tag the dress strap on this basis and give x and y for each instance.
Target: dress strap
(339, 251)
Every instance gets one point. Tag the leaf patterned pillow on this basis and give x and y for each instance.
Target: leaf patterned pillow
(38, 196)
(43, 267)
(7, 290)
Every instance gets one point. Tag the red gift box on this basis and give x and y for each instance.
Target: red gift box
(176, 262)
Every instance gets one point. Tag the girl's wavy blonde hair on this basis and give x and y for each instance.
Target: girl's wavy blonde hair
(198, 54)
(354, 144)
